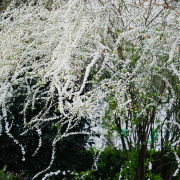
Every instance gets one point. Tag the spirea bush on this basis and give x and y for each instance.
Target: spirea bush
(114, 63)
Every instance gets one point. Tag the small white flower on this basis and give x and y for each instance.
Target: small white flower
(51, 173)
(56, 173)
(150, 166)
(176, 172)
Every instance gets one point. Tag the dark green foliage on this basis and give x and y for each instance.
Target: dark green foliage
(164, 164)
(112, 161)
(70, 152)
(6, 175)
(109, 163)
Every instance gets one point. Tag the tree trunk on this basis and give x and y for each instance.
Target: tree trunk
(141, 169)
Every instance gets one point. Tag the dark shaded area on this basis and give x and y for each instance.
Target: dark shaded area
(70, 152)
(111, 161)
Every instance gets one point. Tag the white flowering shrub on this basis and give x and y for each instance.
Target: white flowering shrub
(113, 62)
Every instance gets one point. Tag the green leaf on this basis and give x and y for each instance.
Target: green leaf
(4, 168)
